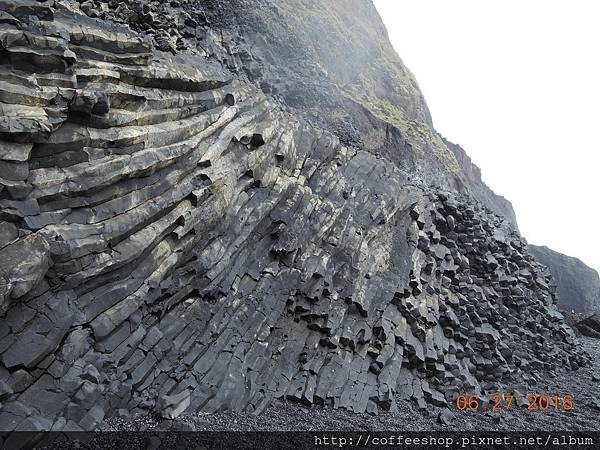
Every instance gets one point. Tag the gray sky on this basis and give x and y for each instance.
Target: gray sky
(517, 84)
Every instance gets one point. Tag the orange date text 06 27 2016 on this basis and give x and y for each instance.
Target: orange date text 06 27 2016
(503, 402)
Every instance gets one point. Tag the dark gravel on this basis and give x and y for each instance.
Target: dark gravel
(583, 385)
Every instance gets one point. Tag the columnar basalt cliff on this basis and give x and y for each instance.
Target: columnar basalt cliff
(173, 239)
(330, 63)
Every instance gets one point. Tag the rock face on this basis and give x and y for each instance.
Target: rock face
(173, 240)
(578, 284)
(589, 326)
(330, 63)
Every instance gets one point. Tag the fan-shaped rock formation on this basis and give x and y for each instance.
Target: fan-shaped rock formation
(173, 240)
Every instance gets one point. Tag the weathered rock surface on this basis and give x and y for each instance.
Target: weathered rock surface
(173, 241)
(328, 62)
(589, 326)
(578, 284)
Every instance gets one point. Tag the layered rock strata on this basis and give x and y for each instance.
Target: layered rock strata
(173, 241)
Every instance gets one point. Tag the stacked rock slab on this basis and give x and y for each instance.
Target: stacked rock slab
(172, 241)
(589, 326)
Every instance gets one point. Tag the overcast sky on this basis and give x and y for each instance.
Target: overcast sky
(517, 84)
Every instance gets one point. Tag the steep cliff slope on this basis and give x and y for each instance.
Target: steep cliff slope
(328, 62)
(578, 284)
(174, 240)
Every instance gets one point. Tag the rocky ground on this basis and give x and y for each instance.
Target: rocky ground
(583, 385)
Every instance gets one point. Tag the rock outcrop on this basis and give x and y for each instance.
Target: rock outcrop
(578, 284)
(330, 63)
(173, 240)
(589, 326)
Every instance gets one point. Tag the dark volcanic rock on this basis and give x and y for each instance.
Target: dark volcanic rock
(578, 284)
(167, 250)
(329, 62)
(293, 417)
(589, 326)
